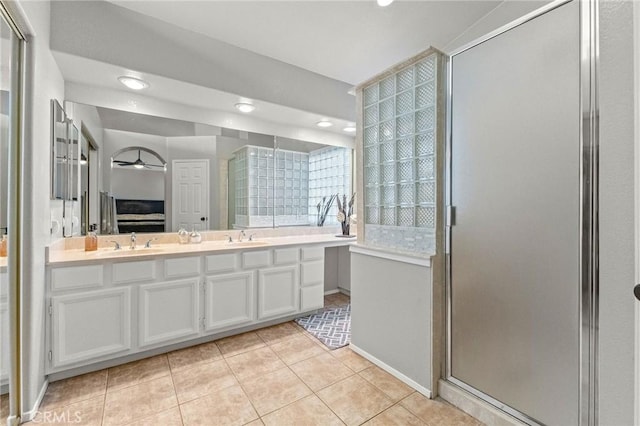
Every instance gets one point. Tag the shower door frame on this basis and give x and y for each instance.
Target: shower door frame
(588, 274)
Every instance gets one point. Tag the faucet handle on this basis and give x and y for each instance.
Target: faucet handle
(116, 246)
(229, 239)
(133, 236)
(148, 243)
(251, 237)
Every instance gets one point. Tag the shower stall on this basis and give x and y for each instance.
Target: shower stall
(522, 240)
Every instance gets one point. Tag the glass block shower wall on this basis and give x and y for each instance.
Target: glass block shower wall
(399, 117)
(329, 173)
(271, 191)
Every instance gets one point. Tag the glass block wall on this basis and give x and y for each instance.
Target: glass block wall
(291, 187)
(399, 124)
(269, 191)
(329, 173)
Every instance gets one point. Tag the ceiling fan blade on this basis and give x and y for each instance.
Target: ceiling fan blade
(154, 165)
(123, 163)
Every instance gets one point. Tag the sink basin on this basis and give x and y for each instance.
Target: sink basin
(127, 252)
(248, 244)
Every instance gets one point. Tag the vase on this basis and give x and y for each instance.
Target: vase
(345, 228)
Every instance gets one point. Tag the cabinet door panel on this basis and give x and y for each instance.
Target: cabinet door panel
(312, 297)
(90, 325)
(222, 263)
(230, 300)
(285, 256)
(168, 311)
(312, 253)
(278, 292)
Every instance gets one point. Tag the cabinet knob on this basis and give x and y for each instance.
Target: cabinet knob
(636, 291)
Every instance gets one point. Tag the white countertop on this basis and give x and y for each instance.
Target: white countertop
(59, 257)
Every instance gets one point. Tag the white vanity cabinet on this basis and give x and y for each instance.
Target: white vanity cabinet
(4, 330)
(312, 278)
(118, 307)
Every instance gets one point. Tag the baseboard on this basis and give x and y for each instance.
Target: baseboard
(474, 406)
(334, 291)
(345, 291)
(426, 392)
(30, 415)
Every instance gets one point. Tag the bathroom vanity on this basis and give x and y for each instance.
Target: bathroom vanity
(113, 304)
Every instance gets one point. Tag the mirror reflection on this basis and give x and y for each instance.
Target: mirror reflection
(161, 174)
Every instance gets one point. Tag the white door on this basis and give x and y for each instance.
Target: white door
(190, 194)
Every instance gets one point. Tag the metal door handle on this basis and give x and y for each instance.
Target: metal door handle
(203, 218)
(636, 291)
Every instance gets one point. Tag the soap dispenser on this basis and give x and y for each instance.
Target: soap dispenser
(3, 246)
(91, 239)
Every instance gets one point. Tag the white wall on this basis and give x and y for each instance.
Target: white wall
(616, 348)
(44, 82)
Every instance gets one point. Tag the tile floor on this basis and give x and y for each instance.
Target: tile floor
(279, 375)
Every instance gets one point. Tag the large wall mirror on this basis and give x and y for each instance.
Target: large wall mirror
(155, 174)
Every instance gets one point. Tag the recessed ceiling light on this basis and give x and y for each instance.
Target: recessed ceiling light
(245, 107)
(133, 83)
(350, 128)
(324, 123)
(384, 3)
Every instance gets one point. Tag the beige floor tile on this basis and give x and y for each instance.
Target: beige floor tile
(256, 422)
(202, 379)
(274, 390)
(395, 416)
(309, 411)
(4, 406)
(394, 388)
(229, 406)
(195, 355)
(437, 413)
(354, 400)
(170, 417)
(136, 402)
(85, 413)
(234, 345)
(321, 371)
(278, 333)
(138, 372)
(255, 363)
(74, 389)
(351, 359)
(296, 349)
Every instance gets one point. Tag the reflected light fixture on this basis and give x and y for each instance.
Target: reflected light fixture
(324, 123)
(245, 107)
(133, 82)
(383, 3)
(83, 159)
(350, 128)
(138, 166)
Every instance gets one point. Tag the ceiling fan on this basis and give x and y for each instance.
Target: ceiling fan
(138, 164)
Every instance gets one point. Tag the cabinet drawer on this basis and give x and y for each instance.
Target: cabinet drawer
(182, 267)
(131, 272)
(222, 263)
(285, 256)
(312, 273)
(312, 253)
(76, 277)
(256, 259)
(4, 286)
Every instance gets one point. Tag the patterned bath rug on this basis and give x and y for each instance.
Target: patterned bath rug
(331, 326)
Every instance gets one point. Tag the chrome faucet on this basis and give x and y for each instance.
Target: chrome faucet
(148, 243)
(116, 246)
(241, 236)
(133, 241)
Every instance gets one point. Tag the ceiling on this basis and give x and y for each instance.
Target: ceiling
(348, 41)
(295, 60)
